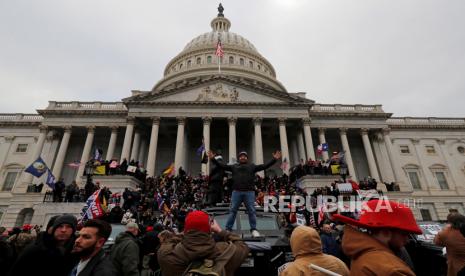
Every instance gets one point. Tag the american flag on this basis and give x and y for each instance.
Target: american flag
(219, 49)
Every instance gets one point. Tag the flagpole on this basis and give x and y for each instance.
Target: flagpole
(219, 65)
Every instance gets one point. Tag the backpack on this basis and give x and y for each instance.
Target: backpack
(209, 267)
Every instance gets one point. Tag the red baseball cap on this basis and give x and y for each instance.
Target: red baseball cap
(381, 213)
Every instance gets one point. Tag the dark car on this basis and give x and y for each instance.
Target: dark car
(427, 257)
(268, 252)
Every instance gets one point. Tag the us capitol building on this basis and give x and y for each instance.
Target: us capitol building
(242, 107)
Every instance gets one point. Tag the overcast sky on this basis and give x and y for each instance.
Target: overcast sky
(408, 55)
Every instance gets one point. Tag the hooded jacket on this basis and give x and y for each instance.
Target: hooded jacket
(306, 248)
(175, 254)
(371, 257)
(454, 242)
(125, 254)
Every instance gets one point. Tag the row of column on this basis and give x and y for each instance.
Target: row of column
(304, 144)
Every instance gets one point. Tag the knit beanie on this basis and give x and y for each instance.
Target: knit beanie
(65, 219)
(197, 220)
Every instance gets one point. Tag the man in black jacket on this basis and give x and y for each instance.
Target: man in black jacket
(51, 254)
(88, 246)
(243, 175)
(215, 183)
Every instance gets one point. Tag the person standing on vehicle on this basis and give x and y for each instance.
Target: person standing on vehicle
(215, 182)
(88, 246)
(243, 175)
(202, 240)
(454, 241)
(388, 226)
(306, 248)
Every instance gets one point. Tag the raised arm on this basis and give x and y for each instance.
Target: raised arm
(261, 167)
(225, 167)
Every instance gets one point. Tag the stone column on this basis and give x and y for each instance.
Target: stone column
(152, 158)
(135, 146)
(62, 153)
(301, 146)
(347, 154)
(127, 140)
(206, 140)
(141, 155)
(232, 139)
(179, 153)
(37, 152)
(308, 138)
(86, 153)
(284, 145)
(112, 143)
(321, 134)
(398, 175)
(258, 143)
(369, 153)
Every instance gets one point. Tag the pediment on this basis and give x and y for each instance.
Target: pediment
(217, 92)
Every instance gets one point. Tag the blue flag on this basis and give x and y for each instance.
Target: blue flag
(200, 150)
(37, 168)
(50, 179)
(325, 147)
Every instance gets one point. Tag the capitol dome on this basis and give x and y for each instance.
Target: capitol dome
(241, 59)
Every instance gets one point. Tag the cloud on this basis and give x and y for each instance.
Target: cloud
(406, 55)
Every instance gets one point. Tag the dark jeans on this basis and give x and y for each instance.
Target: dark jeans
(249, 200)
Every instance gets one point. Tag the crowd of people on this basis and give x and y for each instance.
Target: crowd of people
(166, 231)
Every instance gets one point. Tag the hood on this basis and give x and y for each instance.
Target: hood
(305, 240)
(354, 243)
(198, 245)
(124, 236)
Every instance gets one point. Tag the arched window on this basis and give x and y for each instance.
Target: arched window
(209, 59)
(199, 60)
(259, 67)
(189, 63)
(241, 61)
(251, 64)
(180, 66)
(231, 60)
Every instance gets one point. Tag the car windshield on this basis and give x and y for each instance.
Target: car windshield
(222, 222)
(264, 222)
(115, 230)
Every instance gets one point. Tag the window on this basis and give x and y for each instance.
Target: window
(209, 59)
(430, 149)
(404, 149)
(21, 148)
(251, 64)
(425, 215)
(180, 66)
(259, 67)
(199, 60)
(414, 180)
(461, 150)
(189, 63)
(231, 60)
(10, 180)
(241, 61)
(442, 181)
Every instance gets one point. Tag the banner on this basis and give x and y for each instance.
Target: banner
(132, 169)
(100, 170)
(93, 208)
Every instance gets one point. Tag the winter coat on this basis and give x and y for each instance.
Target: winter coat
(44, 258)
(99, 265)
(454, 242)
(216, 172)
(306, 248)
(125, 254)
(243, 175)
(371, 257)
(330, 245)
(175, 254)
